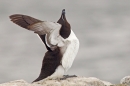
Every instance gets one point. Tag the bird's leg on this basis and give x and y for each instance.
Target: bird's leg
(67, 76)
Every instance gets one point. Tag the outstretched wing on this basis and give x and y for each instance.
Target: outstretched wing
(38, 26)
(30, 23)
(23, 20)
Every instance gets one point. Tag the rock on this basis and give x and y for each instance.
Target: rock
(125, 80)
(75, 81)
(18, 83)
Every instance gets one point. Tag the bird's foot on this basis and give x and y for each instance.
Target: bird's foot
(67, 76)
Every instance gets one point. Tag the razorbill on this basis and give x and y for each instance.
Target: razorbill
(61, 43)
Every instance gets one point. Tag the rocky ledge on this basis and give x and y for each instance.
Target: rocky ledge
(75, 81)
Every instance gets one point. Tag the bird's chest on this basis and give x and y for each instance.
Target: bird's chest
(69, 53)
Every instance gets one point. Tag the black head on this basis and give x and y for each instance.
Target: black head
(65, 28)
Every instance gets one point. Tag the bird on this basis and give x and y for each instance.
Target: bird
(59, 39)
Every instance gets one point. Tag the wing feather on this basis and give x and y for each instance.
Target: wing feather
(23, 20)
(30, 23)
(41, 28)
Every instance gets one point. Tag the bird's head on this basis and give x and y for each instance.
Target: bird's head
(65, 29)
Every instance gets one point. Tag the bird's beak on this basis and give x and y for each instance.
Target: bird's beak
(63, 12)
(63, 15)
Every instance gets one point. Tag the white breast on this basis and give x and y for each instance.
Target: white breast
(69, 50)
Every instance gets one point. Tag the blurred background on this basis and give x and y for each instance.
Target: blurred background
(102, 26)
